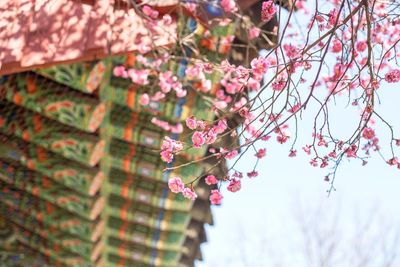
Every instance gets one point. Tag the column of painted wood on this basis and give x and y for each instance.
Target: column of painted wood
(129, 163)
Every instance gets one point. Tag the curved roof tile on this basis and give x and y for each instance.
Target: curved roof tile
(36, 33)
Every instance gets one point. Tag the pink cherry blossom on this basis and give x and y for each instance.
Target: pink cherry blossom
(301, 4)
(393, 161)
(254, 32)
(252, 174)
(361, 46)
(333, 17)
(237, 175)
(324, 164)
(191, 123)
(178, 146)
(177, 128)
(368, 133)
(291, 50)
(139, 76)
(293, 153)
(176, 185)
(168, 148)
(337, 46)
(150, 12)
(144, 100)
(231, 87)
(226, 66)
(220, 104)
(268, 10)
(282, 138)
(166, 80)
(211, 179)
(157, 96)
(393, 76)
(119, 71)
(314, 162)
(229, 5)
(167, 156)
(162, 124)
(279, 84)
(307, 149)
(351, 152)
(253, 84)
(234, 185)
(397, 142)
(332, 154)
(166, 19)
(180, 92)
(211, 137)
(259, 65)
(205, 85)
(232, 154)
(265, 137)
(189, 193)
(198, 139)
(193, 72)
(261, 153)
(295, 108)
(215, 197)
(201, 124)
(167, 144)
(207, 67)
(221, 126)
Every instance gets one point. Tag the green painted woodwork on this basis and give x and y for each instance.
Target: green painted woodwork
(64, 242)
(82, 76)
(142, 235)
(52, 249)
(130, 250)
(82, 147)
(170, 241)
(166, 220)
(26, 207)
(71, 174)
(54, 101)
(46, 189)
(113, 260)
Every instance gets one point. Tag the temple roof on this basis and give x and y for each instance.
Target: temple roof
(78, 154)
(42, 32)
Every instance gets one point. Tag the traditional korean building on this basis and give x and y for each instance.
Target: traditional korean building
(81, 179)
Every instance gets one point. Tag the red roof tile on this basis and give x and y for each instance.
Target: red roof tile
(34, 33)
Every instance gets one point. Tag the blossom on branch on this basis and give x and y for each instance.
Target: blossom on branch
(268, 10)
(215, 197)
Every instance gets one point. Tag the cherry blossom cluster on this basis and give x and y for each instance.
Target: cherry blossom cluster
(268, 10)
(338, 49)
(169, 147)
(176, 185)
